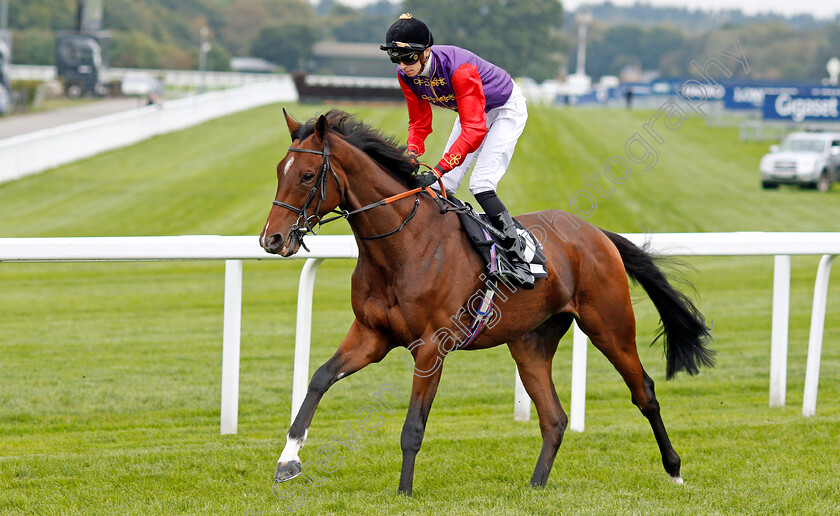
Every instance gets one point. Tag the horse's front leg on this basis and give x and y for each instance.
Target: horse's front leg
(361, 346)
(427, 371)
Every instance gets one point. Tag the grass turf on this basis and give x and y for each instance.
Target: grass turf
(110, 373)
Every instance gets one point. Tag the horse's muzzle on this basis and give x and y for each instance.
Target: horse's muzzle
(277, 244)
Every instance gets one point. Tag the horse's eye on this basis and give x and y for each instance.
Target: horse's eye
(307, 177)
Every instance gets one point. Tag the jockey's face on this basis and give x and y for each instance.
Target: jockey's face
(415, 68)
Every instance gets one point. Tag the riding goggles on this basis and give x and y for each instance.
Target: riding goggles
(408, 53)
(408, 59)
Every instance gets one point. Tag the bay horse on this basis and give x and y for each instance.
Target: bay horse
(416, 271)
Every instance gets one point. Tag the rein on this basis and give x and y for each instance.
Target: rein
(303, 224)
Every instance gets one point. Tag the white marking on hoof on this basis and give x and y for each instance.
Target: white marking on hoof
(677, 480)
(290, 452)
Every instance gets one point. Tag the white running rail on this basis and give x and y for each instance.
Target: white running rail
(234, 249)
(38, 151)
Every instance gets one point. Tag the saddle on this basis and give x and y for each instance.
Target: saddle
(488, 245)
(487, 242)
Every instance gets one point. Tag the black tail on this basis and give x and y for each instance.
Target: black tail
(685, 330)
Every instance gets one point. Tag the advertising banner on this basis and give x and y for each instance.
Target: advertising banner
(750, 95)
(802, 107)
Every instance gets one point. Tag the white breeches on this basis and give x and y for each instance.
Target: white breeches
(504, 127)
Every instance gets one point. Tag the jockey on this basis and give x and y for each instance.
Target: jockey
(491, 117)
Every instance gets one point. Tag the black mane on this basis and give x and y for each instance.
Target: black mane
(385, 150)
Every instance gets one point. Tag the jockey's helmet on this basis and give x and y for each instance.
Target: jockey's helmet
(407, 38)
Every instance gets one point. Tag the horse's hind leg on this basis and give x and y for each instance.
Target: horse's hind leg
(612, 328)
(533, 354)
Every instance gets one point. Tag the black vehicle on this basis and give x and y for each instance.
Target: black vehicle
(79, 61)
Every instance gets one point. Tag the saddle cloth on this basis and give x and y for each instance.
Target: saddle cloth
(490, 248)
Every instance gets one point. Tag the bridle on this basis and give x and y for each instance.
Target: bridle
(304, 224)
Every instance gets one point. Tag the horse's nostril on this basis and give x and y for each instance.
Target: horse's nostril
(273, 242)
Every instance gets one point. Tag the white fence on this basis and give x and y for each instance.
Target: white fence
(232, 249)
(196, 79)
(193, 78)
(41, 150)
(33, 72)
(780, 245)
(235, 249)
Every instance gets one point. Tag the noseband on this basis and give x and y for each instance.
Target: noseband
(304, 224)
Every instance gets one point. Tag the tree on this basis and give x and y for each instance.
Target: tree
(289, 46)
(135, 50)
(244, 18)
(829, 47)
(613, 48)
(773, 50)
(218, 59)
(657, 42)
(618, 47)
(357, 25)
(34, 47)
(521, 36)
(43, 14)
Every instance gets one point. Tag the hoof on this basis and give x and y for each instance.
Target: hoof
(677, 480)
(287, 471)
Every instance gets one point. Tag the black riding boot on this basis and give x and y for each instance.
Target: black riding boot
(516, 266)
(520, 271)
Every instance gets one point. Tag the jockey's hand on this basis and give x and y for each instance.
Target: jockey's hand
(412, 157)
(424, 178)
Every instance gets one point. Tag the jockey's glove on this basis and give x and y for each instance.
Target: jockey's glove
(424, 178)
(412, 157)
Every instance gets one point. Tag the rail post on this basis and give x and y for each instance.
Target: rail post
(522, 402)
(303, 332)
(577, 403)
(231, 345)
(812, 370)
(779, 330)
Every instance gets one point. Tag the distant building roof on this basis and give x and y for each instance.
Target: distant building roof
(251, 64)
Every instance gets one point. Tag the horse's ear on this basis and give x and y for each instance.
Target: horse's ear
(293, 124)
(321, 128)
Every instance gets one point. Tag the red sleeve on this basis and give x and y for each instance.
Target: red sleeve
(419, 119)
(469, 95)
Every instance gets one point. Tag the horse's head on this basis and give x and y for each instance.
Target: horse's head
(307, 189)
